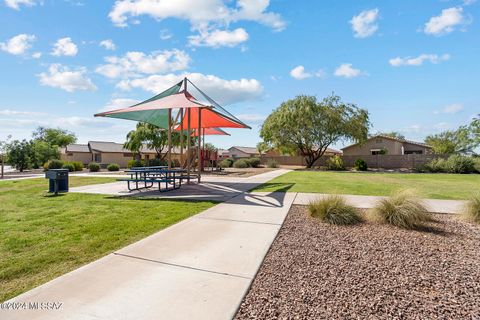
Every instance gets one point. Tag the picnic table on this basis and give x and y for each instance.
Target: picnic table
(147, 177)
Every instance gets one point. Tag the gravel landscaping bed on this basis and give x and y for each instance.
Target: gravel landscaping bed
(368, 271)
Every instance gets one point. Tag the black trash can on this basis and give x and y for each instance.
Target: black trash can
(58, 180)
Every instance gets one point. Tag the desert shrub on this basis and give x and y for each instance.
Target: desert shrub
(135, 163)
(460, 164)
(156, 162)
(93, 167)
(402, 210)
(361, 165)
(334, 210)
(436, 165)
(226, 163)
(241, 163)
(78, 165)
(113, 167)
(335, 163)
(272, 164)
(471, 210)
(69, 166)
(253, 162)
(477, 164)
(55, 164)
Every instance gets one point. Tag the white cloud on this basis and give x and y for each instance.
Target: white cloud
(108, 44)
(64, 47)
(364, 24)
(8, 112)
(165, 34)
(137, 63)
(199, 12)
(19, 44)
(62, 77)
(37, 55)
(418, 61)
(221, 90)
(15, 4)
(451, 109)
(468, 2)
(346, 70)
(446, 22)
(299, 73)
(118, 103)
(252, 117)
(218, 38)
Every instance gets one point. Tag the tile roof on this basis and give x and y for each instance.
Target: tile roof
(395, 139)
(77, 148)
(248, 150)
(103, 146)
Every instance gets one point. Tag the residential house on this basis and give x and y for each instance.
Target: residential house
(380, 144)
(243, 152)
(107, 152)
(76, 152)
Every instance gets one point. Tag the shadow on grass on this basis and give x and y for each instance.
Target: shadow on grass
(274, 187)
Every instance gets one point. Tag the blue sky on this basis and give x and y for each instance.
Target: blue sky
(413, 64)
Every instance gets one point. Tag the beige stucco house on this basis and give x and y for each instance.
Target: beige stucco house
(243, 152)
(386, 145)
(105, 153)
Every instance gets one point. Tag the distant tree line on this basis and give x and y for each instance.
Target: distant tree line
(34, 153)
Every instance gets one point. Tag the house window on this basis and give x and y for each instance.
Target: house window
(98, 157)
(375, 152)
(70, 154)
(128, 155)
(414, 152)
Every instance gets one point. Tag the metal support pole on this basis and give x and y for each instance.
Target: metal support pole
(181, 136)
(169, 139)
(199, 131)
(189, 116)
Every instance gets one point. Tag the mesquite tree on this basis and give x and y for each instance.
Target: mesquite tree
(310, 126)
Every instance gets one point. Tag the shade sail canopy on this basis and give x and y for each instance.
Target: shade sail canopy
(155, 109)
(208, 132)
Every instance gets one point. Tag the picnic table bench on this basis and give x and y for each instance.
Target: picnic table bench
(146, 177)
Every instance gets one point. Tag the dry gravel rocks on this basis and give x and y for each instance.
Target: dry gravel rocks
(368, 271)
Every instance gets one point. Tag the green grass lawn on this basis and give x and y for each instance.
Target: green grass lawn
(42, 237)
(434, 186)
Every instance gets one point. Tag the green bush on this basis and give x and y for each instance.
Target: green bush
(471, 209)
(272, 164)
(135, 163)
(93, 167)
(361, 165)
(402, 210)
(436, 165)
(69, 166)
(226, 163)
(460, 164)
(55, 164)
(113, 167)
(78, 165)
(335, 163)
(241, 163)
(253, 162)
(155, 162)
(477, 164)
(334, 210)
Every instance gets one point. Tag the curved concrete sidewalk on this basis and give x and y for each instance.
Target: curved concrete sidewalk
(199, 268)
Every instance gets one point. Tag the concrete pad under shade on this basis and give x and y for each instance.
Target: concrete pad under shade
(253, 207)
(229, 247)
(117, 287)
